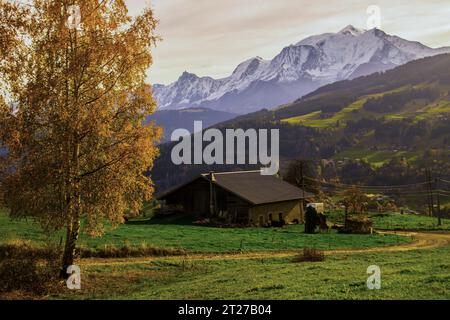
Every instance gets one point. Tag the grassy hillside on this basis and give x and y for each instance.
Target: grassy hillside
(353, 112)
(376, 158)
(415, 110)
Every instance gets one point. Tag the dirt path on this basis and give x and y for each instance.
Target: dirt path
(422, 240)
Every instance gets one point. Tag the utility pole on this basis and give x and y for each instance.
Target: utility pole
(303, 188)
(212, 198)
(430, 193)
(302, 173)
(438, 202)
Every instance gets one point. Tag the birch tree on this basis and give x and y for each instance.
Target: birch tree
(74, 100)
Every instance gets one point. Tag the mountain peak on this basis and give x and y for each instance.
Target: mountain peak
(295, 71)
(351, 30)
(187, 76)
(248, 67)
(377, 32)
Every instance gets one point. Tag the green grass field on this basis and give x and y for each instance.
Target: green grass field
(302, 119)
(355, 111)
(375, 158)
(391, 221)
(313, 119)
(204, 239)
(404, 275)
(352, 112)
(416, 274)
(440, 107)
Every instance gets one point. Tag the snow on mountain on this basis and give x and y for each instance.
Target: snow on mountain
(187, 89)
(297, 70)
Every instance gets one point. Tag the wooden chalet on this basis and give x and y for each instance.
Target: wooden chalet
(244, 197)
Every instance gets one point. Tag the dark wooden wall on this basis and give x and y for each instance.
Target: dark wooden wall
(195, 199)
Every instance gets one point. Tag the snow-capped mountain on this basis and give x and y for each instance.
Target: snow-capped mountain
(297, 70)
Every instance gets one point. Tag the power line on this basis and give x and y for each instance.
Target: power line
(406, 190)
(367, 186)
(337, 189)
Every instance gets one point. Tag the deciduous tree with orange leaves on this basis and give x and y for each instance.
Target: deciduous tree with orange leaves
(73, 105)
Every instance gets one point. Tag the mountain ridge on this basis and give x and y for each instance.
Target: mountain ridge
(171, 120)
(297, 70)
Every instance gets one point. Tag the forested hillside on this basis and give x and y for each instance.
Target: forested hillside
(171, 120)
(379, 129)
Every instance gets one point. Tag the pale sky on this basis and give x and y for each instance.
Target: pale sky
(211, 37)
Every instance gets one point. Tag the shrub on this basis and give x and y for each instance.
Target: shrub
(19, 249)
(23, 250)
(358, 225)
(28, 270)
(128, 251)
(310, 255)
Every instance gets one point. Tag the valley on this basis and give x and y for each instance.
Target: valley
(379, 129)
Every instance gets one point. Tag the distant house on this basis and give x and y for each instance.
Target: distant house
(245, 197)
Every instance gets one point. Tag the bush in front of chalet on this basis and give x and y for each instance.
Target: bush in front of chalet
(358, 224)
(311, 220)
(27, 270)
(310, 255)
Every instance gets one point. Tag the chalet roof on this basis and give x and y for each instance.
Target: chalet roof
(253, 187)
